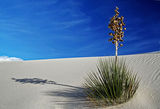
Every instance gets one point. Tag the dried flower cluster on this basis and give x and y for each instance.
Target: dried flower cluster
(116, 24)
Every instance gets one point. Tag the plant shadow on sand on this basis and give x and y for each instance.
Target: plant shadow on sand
(40, 81)
(71, 97)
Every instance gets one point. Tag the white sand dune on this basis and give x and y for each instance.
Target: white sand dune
(56, 84)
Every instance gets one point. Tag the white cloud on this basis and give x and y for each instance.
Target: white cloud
(6, 58)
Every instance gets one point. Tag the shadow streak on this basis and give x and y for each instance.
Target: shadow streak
(41, 81)
(71, 97)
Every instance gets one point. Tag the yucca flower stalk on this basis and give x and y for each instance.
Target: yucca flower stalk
(116, 25)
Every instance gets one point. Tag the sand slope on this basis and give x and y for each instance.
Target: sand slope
(56, 84)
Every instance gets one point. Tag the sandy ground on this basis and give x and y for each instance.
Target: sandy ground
(56, 84)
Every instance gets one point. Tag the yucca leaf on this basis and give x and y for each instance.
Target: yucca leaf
(112, 83)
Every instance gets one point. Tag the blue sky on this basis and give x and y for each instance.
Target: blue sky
(48, 29)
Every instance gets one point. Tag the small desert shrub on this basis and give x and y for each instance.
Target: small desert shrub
(111, 84)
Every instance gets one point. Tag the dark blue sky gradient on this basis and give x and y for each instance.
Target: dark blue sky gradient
(47, 29)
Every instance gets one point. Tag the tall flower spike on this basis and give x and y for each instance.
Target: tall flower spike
(116, 25)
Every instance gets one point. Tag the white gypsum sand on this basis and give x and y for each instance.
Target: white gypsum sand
(56, 83)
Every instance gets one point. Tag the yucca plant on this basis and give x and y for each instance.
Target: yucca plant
(111, 84)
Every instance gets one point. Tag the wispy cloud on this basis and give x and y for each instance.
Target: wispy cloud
(34, 4)
(66, 14)
(71, 23)
(6, 58)
(15, 25)
(91, 48)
